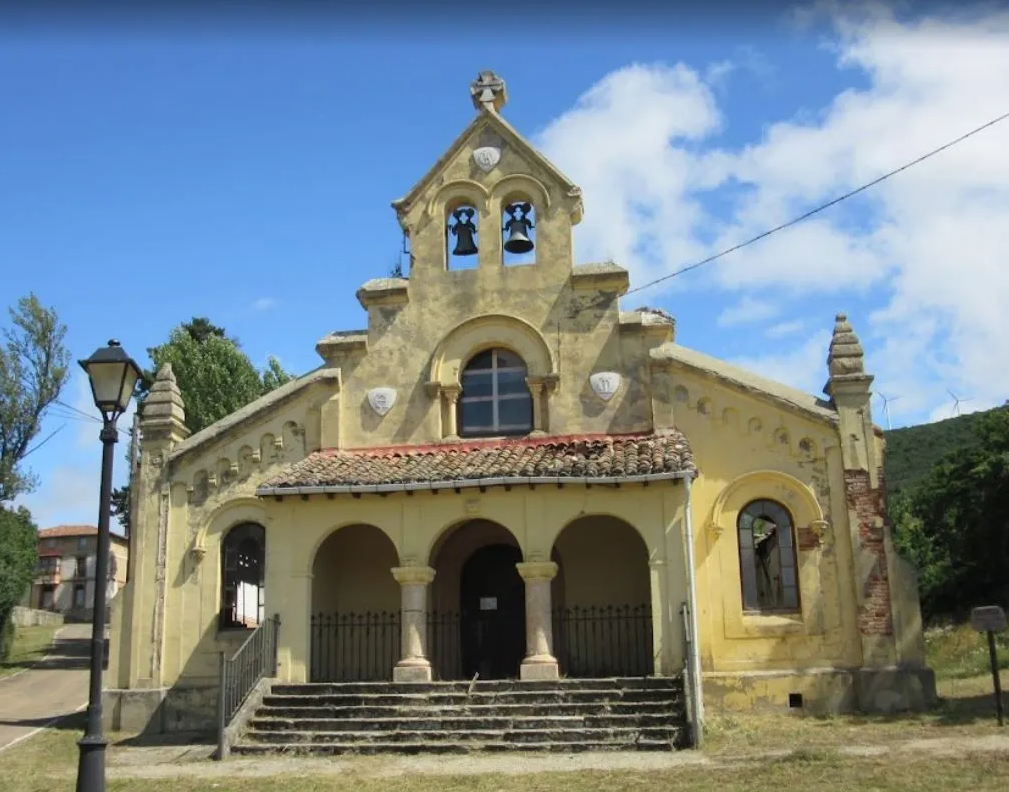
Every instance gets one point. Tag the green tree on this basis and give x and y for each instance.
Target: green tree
(214, 375)
(33, 370)
(18, 559)
(955, 524)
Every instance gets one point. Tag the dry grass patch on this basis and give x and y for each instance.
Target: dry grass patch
(30, 645)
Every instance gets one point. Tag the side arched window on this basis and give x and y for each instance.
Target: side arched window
(767, 558)
(495, 398)
(242, 578)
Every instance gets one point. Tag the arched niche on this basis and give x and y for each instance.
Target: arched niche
(797, 497)
(521, 202)
(602, 599)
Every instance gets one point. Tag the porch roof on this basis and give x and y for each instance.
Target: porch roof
(575, 459)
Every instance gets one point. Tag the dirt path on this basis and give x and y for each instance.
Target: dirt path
(194, 761)
(55, 687)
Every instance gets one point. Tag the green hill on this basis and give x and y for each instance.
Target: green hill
(911, 452)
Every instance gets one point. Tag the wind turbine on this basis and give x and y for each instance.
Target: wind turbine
(886, 406)
(957, 401)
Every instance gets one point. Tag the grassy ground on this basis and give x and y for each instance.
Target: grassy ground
(30, 644)
(735, 757)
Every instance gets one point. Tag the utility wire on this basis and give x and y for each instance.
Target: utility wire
(819, 209)
(39, 445)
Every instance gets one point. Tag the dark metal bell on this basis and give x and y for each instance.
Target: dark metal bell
(518, 228)
(518, 242)
(463, 230)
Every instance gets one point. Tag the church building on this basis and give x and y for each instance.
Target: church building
(508, 474)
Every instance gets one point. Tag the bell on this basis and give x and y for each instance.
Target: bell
(463, 231)
(518, 242)
(518, 228)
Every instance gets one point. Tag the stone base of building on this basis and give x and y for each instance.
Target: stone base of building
(823, 690)
(160, 710)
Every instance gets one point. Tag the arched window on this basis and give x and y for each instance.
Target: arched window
(767, 561)
(495, 398)
(242, 562)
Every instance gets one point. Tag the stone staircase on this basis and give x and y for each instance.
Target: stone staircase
(461, 717)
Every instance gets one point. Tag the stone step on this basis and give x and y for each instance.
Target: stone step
(542, 697)
(423, 709)
(457, 722)
(625, 736)
(335, 749)
(483, 686)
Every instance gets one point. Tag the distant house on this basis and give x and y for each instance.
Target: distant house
(65, 578)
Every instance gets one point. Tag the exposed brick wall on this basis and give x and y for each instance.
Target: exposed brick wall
(874, 616)
(808, 539)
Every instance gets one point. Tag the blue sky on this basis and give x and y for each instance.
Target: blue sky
(145, 179)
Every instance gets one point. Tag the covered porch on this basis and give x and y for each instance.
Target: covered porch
(494, 577)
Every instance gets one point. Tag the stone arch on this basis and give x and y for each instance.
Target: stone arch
(455, 193)
(520, 185)
(225, 517)
(454, 551)
(602, 617)
(355, 602)
(796, 496)
(483, 332)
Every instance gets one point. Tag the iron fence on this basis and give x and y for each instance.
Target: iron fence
(604, 641)
(354, 647)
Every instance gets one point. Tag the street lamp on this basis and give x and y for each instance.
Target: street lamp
(113, 375)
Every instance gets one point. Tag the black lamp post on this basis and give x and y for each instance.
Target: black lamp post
(113, 376)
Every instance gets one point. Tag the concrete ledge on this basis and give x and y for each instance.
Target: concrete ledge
(160, 710)
(823, 690)
(242, 717)
(33, 617)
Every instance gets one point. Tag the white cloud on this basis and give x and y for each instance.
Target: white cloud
(263, 304)
(928, 246)
(783, 329)
(801, 367)
(747, 310)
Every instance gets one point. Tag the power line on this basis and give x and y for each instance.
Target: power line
(39, 445)
(819, 209)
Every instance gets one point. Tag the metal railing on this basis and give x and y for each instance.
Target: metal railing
(604, 640)
(593, 641)
(255, 659)
(354, 647)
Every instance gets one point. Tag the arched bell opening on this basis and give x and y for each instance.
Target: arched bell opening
(518, 227)
(462, 235)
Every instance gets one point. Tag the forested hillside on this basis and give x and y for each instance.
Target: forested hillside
(913, 451)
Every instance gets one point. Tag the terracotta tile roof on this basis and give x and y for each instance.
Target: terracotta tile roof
(60, 531)
(584, 456)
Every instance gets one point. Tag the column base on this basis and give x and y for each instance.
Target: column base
(539, 667)
(412, 671)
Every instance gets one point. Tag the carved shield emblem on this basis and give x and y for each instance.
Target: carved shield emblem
(487, 158)
(605, 384)
(382, 399)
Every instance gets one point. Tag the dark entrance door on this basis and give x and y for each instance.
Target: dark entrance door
(492, 600)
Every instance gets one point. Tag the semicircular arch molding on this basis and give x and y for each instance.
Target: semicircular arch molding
(787, 490)
(429, 552)
(515, 184)
(613, 518)
(458, 191)
(485, 332)
(331, 531)
(227, 516)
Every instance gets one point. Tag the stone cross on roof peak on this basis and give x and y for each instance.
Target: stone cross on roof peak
(488, 91)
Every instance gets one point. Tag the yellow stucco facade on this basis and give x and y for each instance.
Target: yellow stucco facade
(627, 478)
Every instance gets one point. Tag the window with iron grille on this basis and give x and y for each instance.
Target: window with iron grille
(495, 398)
(767, 558)
(242, 574)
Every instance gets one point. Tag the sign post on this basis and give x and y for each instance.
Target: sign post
(991, 619)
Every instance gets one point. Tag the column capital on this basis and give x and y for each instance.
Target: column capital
(416, 575)
(537, 570)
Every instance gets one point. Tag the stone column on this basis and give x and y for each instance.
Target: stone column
(539, 662)
(451, 393)
(414, 665)
(536, 390)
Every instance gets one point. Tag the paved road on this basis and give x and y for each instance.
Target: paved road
(55, 687)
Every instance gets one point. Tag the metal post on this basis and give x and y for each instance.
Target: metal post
(222, 717)
(91, 766)
(993, 656)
